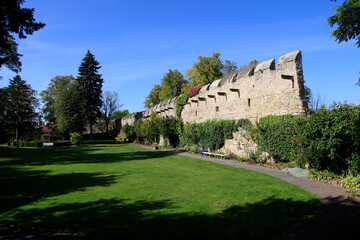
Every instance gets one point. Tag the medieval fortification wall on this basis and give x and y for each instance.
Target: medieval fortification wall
(268, 89)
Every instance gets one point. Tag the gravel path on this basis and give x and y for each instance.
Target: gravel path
(341, 216)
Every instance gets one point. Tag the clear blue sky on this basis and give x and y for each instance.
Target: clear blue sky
(136, 42)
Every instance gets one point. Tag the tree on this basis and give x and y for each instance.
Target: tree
(120, 114)
(205, 71)
(347, 20)
(229, 67)
(171, 84)
(90, 84)
(153, 98)
(10, 57)
(110, 105)
(69, 116)
(21, 104)
(3, 120)
(48, 96)
(14, 19)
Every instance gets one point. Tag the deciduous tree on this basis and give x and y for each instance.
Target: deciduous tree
(347, 20)
(154, 97)
(171, 84)
(48, 96)
(110, 105)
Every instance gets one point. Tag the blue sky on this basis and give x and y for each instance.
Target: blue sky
(136, 42)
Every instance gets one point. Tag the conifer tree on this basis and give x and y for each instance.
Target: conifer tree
(90, 84)
(21, 104)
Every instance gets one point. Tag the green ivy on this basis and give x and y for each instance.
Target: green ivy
(179, 102)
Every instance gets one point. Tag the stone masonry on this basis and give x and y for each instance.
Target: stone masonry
(268, 89)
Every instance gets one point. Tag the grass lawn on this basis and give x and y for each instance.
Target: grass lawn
(126, 191)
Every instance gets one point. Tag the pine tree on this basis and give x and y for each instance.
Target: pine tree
(21, 104)
(90, 84)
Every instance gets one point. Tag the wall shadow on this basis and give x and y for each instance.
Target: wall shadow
(121, 219)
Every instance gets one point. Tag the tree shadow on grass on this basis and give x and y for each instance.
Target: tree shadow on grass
(121, 219)
(72, 155)
(20, 187)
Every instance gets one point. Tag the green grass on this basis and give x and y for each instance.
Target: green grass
(126, 191)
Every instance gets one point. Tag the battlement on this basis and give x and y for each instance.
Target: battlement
(268, 89)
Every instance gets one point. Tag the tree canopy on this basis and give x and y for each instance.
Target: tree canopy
(154, 97)
(90, 88)
(14, 20)
(347, 20)
(21, 104)
(171, 85)
(48, 96)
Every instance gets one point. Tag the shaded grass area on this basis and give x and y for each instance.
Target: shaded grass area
(104, 191)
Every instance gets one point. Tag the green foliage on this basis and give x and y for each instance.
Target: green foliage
(21, 21)
(48, 96)
(211, 134)
(170, 129)
(121, 137)
(346, 18)
(138, 133)
(180, 102)
(154, 97)
(205, 71)
(69, 114)
(171, 85)
(120, 114)
(50, 137)
(330, 138)
(129, 132)
(20, 104)
(277, 136)
(150, 129)
(324, 176)
(90, 84)
(76, 139)
(352, 184)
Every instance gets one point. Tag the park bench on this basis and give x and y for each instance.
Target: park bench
(221, 156)
(48, 144)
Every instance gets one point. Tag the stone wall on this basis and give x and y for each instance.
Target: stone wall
(268, 89)
(263, 91)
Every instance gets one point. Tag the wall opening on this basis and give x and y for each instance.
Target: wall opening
(217, 108)
(249, 102)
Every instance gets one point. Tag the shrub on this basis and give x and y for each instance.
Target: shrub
(211, 134)
(129, 132)
(150, 129)
(277, 136)
(76, 139)
(121, 137)
(330, 138)
(352, 184)
(170, 129)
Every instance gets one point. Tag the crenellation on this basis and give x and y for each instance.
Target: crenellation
(251, 93)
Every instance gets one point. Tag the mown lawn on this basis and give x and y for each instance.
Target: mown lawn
(113, 191)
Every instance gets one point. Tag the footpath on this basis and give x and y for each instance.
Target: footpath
(340, 218)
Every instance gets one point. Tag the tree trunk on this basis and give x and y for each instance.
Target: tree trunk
(91, 130)
(17, 136)
(107, 126)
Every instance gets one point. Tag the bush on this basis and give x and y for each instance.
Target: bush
(30, 144)
(277, 136)
(211, 134)
(51, 137)
(76, 139)
(170, 129)
(150, 129)
(129, 132)
(352, 184)
(330, 138)
(121, 137)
